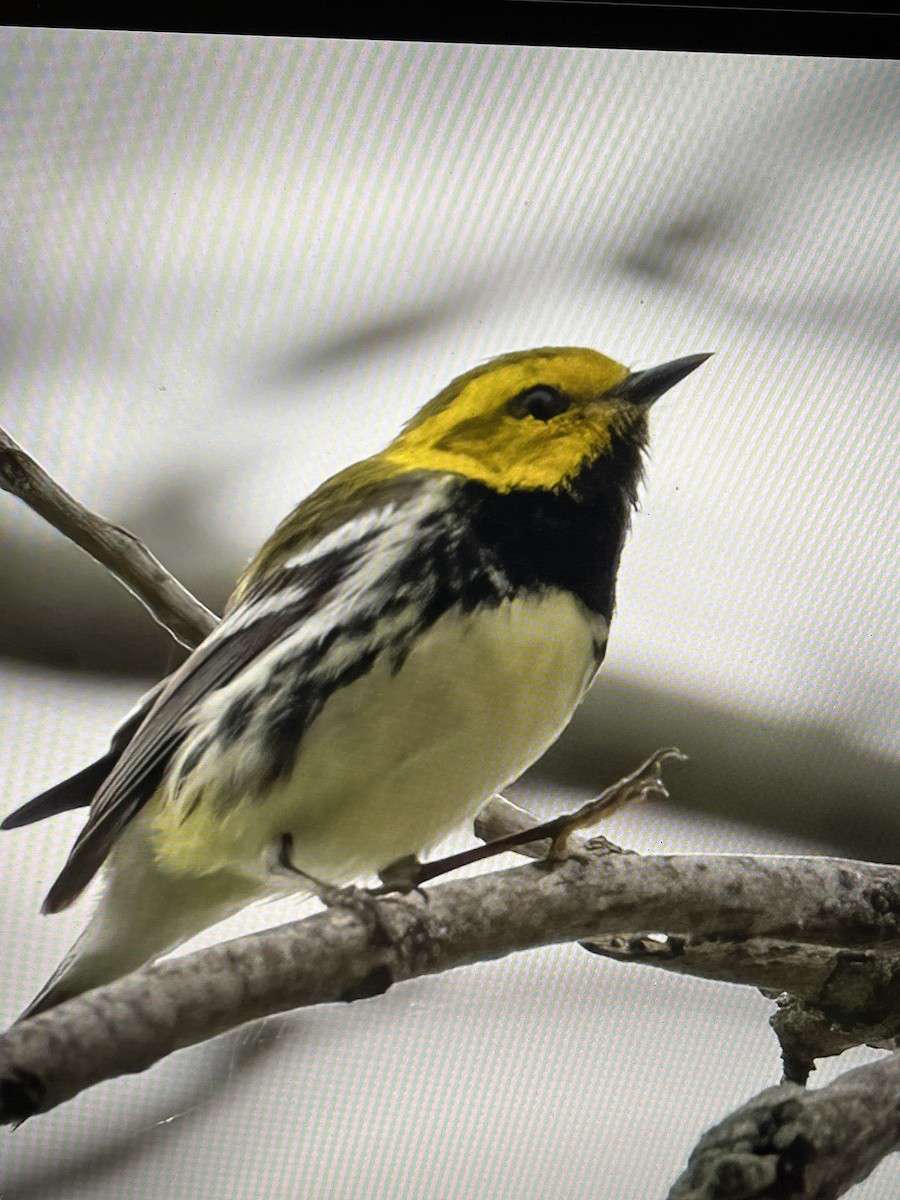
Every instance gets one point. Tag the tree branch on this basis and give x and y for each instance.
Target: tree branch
(124, 555)
(129, 1025)
(830, 996)
(789, 1143)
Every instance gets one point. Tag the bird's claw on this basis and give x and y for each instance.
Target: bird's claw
(364, 905)
(645, 783)
(402, 876)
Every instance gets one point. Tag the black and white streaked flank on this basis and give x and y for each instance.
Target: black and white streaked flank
(410, 639)
(364, 592)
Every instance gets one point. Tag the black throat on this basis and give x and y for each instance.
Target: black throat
(571, 539)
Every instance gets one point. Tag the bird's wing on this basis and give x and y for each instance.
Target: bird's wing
(266, 612)
(75, 792)
(79, 790)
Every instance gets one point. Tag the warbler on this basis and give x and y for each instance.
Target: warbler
(410, 639)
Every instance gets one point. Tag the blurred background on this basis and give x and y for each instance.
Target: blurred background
(230, 266)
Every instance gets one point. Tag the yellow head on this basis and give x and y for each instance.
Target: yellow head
(526, 421)
(532, 419)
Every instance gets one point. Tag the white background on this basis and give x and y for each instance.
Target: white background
(243, 263)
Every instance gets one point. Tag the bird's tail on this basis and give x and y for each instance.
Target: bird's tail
(143, 912)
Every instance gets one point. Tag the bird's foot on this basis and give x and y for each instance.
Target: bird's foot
(645, 783)
(362, 902)
(399, 879)
(402, 876)
(363, 905)
(598, 844)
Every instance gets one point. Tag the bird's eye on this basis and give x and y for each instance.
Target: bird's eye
(542, 403)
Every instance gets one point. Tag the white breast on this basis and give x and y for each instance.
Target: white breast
(395, 761)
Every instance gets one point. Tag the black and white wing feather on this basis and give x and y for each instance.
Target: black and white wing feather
(137, 768)
(368, 587)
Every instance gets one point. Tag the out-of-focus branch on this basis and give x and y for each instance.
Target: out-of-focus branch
(124, 555)
(806, 1145)
(131, 1024)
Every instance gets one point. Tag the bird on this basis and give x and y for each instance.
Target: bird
(411, 638)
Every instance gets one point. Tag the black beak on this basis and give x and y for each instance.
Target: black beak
(643, 387)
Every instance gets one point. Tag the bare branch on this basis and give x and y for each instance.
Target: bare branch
(807, 1145)
(124, 555)
(129, 1025)
(830, 997)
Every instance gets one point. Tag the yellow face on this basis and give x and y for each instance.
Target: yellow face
(529, 420)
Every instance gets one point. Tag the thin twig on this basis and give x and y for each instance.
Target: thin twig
(124, 555)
